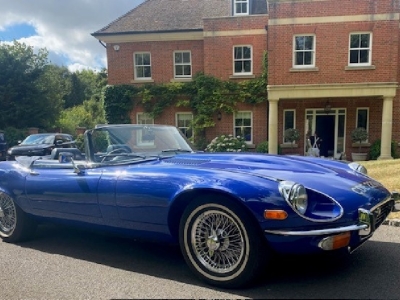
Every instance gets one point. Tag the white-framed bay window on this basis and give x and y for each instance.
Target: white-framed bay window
(289, 121)
(242, 60)
(304, 51)
(360, 49)
(183, 122)
(142, 65)
(243, 125)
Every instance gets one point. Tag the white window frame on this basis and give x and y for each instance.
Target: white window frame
(312, 51)
(136, 66)
(241, 127)
(367, 121)
(360, 48)
(147, 120)
(242, 59)
(183, 127)
(182, 64)
(284, 123)
(241, 2)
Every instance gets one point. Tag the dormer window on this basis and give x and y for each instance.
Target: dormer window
(240, 7)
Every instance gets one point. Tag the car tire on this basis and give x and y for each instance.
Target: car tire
(221, 243)
(15, 225)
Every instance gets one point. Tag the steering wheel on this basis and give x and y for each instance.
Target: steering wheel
(115, 151)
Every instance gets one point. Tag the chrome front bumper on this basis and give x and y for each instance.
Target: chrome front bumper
(366, 221)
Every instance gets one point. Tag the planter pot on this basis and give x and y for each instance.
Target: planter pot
(359, 156)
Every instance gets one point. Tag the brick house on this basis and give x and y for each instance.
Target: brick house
(332, 64)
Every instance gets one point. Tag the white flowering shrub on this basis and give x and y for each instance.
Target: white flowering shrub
(227, 143)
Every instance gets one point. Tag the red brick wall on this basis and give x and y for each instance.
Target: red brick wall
(120, 63)
(218, 50)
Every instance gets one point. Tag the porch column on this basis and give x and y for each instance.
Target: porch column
(386, 135)
(273, 126)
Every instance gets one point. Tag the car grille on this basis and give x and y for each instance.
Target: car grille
(381, 212)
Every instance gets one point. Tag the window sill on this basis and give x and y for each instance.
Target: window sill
(142, 80)
(238, 76)
(181, 79)
(363, 145)
(294, 70)
(288, 146)
(251, 146)
(356, 68)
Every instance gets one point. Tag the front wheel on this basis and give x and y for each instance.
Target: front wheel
(15, 225)
(221, 243)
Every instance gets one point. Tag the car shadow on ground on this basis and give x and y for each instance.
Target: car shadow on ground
(360, 275)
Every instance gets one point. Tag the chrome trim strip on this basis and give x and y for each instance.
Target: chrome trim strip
(318, 231)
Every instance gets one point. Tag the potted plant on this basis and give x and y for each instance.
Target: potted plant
(292, 135)
(359, 135)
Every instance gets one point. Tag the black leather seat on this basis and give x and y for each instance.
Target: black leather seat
(76, 154)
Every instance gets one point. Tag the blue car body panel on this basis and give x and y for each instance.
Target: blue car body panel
(138, 198)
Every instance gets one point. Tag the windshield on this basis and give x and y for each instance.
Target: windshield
(116, 143)
(36, 139)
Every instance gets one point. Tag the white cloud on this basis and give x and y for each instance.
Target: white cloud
(64, 27)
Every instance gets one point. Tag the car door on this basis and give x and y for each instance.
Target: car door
(54, 190)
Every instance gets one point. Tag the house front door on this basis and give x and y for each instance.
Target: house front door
(330, 129)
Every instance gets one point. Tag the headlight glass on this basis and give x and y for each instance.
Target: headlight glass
(295, 194)
(358, 168)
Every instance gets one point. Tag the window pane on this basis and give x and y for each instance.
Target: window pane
(247, 52)
(178, 70)
(247, 66)
(138, 59)
(178, 57)
(299, 42)
(309, 42)
(186, 57)
(238, 66)
(354, 41)
(289, 119)
(299, 58)
(364, 56)
(365, 41)
(147, 72)
(362, 118)
(308, 58)
(146, 59)
(238, 52)
(354, 56)
(187, 70)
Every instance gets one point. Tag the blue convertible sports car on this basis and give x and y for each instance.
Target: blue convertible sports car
(228, 212)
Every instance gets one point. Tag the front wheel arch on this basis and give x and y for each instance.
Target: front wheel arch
(221, 243)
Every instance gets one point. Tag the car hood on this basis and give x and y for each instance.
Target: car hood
(315, 173)
(28, 149)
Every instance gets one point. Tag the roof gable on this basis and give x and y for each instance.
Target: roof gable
(167, 15)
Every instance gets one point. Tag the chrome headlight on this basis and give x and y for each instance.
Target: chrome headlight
(295, 194)
(358, 168)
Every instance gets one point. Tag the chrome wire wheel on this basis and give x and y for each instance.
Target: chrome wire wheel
(8, 215)
(217, 241)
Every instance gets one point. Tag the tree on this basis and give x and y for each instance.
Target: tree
(30, 94)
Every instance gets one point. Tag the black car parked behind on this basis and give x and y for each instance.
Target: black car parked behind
(41, 144)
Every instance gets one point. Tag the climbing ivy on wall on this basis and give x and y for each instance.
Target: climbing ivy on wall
(205, 95)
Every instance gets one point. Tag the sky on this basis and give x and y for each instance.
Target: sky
(63, 27)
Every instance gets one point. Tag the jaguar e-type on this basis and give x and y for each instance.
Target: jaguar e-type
(229, 212)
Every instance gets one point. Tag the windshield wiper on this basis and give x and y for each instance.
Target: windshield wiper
(175, 150)
(122, 154)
